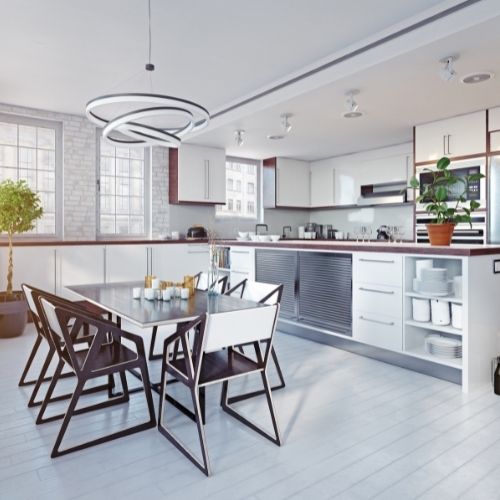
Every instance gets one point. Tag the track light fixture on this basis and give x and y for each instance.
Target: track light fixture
(351, 105)
(447, 72)
(238, 137)
(285, 122)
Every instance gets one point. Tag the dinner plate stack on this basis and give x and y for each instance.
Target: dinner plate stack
(443, 347)
(435, 282)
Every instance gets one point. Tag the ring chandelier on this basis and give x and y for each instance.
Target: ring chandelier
(131, 119)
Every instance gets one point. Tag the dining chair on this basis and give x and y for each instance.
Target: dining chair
(105, 355)
(262, 293)
(201, 283)
(41, 336)
(211, 360)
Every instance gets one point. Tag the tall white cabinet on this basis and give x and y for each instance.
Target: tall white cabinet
(292, 183)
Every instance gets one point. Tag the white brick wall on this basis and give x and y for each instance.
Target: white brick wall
(159, 193)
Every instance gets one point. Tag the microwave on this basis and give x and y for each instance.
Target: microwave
(475, 190)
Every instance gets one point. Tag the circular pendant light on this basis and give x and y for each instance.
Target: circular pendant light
(137, 119)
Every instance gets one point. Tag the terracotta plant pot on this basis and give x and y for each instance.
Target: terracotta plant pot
(13, 314)
(440, 234)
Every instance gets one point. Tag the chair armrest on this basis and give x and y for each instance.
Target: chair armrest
(241, 285)
(182, 330)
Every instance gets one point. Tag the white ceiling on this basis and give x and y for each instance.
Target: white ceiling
(58, 54)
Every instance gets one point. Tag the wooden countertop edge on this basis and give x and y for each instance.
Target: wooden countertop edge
(59, 243)
(374, 247)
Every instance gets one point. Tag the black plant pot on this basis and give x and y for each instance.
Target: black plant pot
(13, 314)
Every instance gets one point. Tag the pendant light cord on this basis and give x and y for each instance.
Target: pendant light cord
(149, 31)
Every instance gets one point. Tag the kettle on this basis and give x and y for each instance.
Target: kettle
(383, 233)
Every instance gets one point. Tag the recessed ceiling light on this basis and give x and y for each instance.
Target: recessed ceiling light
(482, 76)
(276, 137)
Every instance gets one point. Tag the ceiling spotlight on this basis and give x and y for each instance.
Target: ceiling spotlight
(285, 122)
(447, 73)
(275, 137)
(238, 137)
(351, 106)
(480, 77)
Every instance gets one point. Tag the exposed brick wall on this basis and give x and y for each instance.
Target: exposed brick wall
(159, 192)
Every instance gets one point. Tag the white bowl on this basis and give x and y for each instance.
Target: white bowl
(243, 234)
(264, 237)
(254, 237)
(274, 237)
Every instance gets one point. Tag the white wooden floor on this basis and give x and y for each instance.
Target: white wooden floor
(353, 428)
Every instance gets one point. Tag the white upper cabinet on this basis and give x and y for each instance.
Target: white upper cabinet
(463, 135)
(197, 175)
(322, 183)
(494, 119)
(292, 183)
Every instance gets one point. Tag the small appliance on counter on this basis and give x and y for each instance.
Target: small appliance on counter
(383, 233)
(196, 232)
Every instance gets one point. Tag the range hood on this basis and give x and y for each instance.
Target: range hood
(383, 194)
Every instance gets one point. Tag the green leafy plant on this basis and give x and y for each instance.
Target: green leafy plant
(20, 207)
(436, 193)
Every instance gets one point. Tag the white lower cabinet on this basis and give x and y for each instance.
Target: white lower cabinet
(126, 262)
(242, 261)
(172, 262)
(78, 265)
(378, 299)
(32, 265)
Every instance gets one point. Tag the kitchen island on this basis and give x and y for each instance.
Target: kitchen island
(360, 297)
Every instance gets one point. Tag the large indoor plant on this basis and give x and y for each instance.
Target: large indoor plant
(435, 195)
(19, 209)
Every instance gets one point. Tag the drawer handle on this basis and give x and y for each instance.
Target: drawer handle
(376, 291)
(245, 252)
(378, 260)
(388, 323)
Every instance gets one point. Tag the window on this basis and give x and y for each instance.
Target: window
(123, 181)
(241, 189)
(30, 150)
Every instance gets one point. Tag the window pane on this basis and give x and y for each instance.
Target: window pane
(27, 158)
(8, 173)
(135, 187)
(107, 224)
(47, 224)
(107, 204)
(48, 201)
(122, 204)
(136, 168)
(107, 149)
(137, 153)
(122, 186)
(46, 181)
(136, 205)
(122, 224)
(8, 133)
(46, 159)
(30, 177)
(238, 205)
(46, 138)
(122, 167)
(8, 156)
(122, 152)
(27, 136)
(107, 185)
(107, 166)
(136, 225)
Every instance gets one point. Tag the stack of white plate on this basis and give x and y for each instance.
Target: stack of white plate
(435, 282)
(444, 347)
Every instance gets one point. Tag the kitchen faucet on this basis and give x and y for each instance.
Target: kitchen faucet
(284, 230)
(260, 225)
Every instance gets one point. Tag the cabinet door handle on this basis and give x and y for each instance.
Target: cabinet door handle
(386, 292)
(387, 323)
(444, 144)
(381, 261)
(277, 187)
(245, 252)
(208, 180)
(449, 152)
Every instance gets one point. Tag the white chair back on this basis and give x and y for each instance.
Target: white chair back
(239, 327)
(28, 292)
(50, 313)
(203, 284)
(256, 291)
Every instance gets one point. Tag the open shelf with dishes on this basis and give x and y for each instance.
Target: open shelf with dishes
(450, 298)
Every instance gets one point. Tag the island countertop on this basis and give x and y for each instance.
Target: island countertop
(389, 247)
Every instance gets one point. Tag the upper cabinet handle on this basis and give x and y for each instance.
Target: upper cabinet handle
(444, 144)
(449, 152)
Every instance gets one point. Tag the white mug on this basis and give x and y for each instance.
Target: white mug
(157, 294)
(136, 292)
(155, 283)
(175, 235)
(184, 293)
(149, 294)
(166, 294)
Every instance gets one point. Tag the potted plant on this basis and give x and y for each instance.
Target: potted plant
(435, 194)
(19, 209)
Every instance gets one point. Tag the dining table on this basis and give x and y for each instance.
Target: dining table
(118, 299)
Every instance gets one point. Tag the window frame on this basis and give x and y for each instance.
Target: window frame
(57, 126)
(147, 182)
(259, 210)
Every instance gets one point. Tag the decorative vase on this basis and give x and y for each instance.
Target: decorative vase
(213, 272)
(440, 234)
(13, 314)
